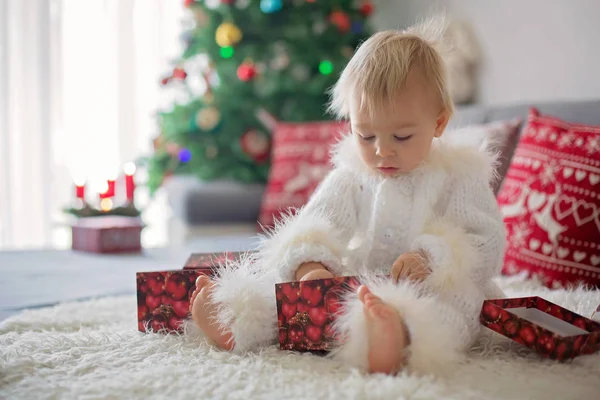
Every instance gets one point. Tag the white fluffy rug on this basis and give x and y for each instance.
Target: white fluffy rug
(92, 350)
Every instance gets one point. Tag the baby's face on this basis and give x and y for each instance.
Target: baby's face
(395, 141)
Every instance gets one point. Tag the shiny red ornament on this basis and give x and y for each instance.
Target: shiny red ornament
(179, 73)
(256, 145)
(314, 333)
(176, 286)
(246, 72)
(341, 20)
(188, 3)
(367, 8)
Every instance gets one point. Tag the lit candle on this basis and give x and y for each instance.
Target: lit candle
(129, 182)
(80, 188)
(104, 190)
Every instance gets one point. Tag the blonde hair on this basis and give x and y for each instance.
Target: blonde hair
(379, 69)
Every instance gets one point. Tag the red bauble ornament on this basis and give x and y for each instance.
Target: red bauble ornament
(246, 71)
(177, 286)
(291, 292)
(159, 322)
(153, 301)
(341, 20)
(256, 145)
(563, 351)
(143, 312)
(579, 342)
(545, 344)
(314, 333)
(175, 323)
(188, 3)
(155, 284)
(288, 309)
(296, 333)
(367, 8)
(491, 313)
(179, 73)
(318, 315)
(305, 291)
(181, 308)
(511, 328)
(527, 334)
(333, 303)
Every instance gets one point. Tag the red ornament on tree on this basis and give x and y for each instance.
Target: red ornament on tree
(188, 3)
(367, 8)
(341, 20)
(179, 73)
(256, 144)
(246, 71)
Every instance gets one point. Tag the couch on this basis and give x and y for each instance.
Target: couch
(225, 207)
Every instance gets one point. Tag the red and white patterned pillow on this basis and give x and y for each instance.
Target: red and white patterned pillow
(299, 162)
(551, 203)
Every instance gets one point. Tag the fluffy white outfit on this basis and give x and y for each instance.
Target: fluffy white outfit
(359, 223)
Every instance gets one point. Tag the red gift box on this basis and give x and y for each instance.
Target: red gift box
(108, 234)
(545, 327)
(306, 311)
(164, 296)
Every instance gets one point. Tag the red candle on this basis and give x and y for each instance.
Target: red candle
(80, 191)
(111, 188)
(104, 191)
(129, 182)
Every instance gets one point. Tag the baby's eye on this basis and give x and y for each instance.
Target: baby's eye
(367, 138)
(402, 138)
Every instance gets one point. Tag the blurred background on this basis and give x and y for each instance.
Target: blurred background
(173, 108)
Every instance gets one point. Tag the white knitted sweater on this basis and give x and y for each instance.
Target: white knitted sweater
(358, 223)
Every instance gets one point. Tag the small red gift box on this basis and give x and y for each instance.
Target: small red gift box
(164, 296)
(545, 327)
(306, 311)
(107, 234)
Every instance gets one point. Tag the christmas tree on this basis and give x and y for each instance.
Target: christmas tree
(244, 59)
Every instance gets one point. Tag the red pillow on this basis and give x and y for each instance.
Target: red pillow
(551, 203)
(299, 162)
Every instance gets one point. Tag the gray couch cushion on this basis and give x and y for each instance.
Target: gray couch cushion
(468, 115)
(580, 112)
(219, 202)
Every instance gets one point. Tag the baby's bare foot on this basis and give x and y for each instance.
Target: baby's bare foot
(203, 312)
(387, 334)
(317, 274)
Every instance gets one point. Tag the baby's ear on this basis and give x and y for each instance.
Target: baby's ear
(441, 123)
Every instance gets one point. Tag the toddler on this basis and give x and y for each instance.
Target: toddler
(401, 201)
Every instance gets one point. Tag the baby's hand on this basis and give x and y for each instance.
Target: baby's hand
(312, 270)
(411, 266)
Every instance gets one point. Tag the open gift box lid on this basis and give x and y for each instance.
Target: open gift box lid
(547, 328)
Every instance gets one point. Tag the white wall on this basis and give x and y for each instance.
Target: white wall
(533, 50)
